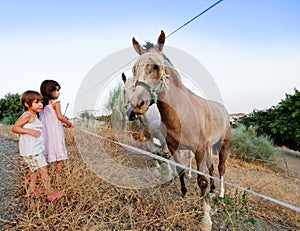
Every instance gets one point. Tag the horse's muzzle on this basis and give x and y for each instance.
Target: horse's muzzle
(130, 114)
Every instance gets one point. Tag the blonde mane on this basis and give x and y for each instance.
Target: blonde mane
(152, 58)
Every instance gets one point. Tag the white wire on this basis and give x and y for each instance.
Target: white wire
(141, 151)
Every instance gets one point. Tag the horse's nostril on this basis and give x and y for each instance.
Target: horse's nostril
(141, 103)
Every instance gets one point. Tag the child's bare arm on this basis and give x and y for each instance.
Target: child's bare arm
(60, 117)
(18, 126)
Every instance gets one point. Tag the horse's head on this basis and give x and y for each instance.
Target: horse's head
(149, 75)
(128, 91)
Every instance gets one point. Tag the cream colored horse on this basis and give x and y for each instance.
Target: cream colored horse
(191, 121)
(151, 125)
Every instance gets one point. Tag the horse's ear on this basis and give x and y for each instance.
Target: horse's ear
(124, 77)
(161, 41)
(138, 48)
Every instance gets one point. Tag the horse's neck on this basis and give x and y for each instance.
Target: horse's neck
(168, 103)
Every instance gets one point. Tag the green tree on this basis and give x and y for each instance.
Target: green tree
(281, 122)
(115, 105)
(10, 108)
(286, 124)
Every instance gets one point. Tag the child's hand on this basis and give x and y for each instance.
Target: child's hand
(69, 125)
(35, 133)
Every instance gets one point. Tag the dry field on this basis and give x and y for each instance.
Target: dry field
(95, 201)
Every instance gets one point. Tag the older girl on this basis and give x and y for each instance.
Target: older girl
(53, 122)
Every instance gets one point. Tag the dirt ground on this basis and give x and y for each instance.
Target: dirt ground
(7, 200)
(283, 185)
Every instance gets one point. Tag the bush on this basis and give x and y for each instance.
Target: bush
(246, 145)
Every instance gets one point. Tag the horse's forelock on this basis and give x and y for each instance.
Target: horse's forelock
(151, 58)
(148, 46)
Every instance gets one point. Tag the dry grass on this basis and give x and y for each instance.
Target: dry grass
(5, 132)
(92, 203)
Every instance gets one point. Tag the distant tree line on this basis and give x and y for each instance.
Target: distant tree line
(281, 122)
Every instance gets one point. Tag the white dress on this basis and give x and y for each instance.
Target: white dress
(28, 144)
(55, 148)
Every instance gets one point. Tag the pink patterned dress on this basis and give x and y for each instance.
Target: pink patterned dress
(55, 148)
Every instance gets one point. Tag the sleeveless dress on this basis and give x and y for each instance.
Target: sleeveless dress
(28, 144)
(53, 134)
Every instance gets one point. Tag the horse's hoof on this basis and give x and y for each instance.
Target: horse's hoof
(166, 155)
(222, 192)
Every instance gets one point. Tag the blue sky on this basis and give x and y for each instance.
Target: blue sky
(251, 48)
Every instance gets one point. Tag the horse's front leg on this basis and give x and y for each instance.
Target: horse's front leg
(222, 162)
(201, 166)
(210, 167)
(180, 171)
(150, 147)
(206, 223)
(163, 144)
(190, 155)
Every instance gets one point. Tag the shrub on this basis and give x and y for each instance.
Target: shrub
(248, 146)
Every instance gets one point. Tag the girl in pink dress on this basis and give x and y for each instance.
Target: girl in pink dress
(53, 122)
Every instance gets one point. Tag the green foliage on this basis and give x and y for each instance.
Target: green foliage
(87, 116)
(281, 122)
(10, 108)
(248, 146)
(114, 98)
(234, 210)
(116, 107)
(104, 118)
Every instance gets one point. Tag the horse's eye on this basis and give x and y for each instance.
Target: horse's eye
(155, 67)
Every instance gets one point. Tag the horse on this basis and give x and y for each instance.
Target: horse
(191, 121)
(151, 124)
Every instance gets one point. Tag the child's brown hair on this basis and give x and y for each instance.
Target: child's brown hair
(28, 97)
(47, 87)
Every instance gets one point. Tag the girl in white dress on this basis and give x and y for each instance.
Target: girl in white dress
(31, 145)
(53, 122)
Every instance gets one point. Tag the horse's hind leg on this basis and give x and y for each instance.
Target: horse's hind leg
(201, 164)
(210, 166)
(221, 166)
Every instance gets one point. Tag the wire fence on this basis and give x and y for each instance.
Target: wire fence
(149, 154)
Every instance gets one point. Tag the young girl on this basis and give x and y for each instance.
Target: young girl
(31, 144)
(53, 122)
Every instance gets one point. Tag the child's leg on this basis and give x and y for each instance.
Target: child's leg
(59, 165)
(43, 171)
(28, 176)
(51, 194)
(33, 181)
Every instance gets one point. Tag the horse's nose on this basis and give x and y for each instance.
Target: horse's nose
(132, 116)
(140, 104)
(136, 102)
(129, 112)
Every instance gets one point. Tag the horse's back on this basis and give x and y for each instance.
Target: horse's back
(219, 121)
